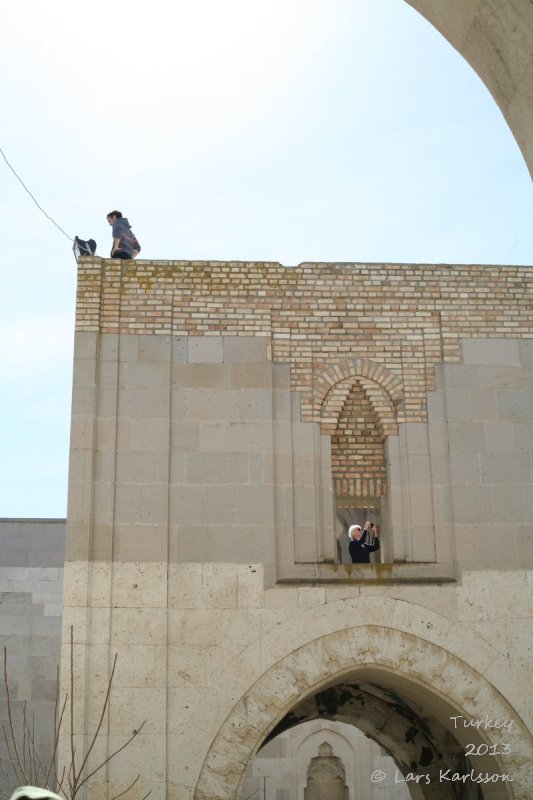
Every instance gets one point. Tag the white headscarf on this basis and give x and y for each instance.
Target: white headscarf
(34, 793)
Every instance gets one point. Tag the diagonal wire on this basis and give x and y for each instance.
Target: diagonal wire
(33, 198)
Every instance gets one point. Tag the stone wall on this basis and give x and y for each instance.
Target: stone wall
(215, 402)
(31, 605)
(201, 544)
(397, 320)
(213, 661)
(186, 448)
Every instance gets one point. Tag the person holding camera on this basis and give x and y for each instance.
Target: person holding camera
(360, 547)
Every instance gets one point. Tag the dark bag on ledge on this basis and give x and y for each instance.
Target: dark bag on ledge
(84, 248)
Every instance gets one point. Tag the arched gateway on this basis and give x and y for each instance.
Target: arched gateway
(428, 705)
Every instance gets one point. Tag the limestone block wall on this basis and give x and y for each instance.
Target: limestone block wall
(461, 485)
(219, 385)
(213, 661)
(192, 449)
(31, 605)
(488, 407)
(390, 322)
(200, 541)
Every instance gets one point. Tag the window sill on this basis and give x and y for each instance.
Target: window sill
(367, 573)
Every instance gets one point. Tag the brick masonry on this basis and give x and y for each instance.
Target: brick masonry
(387, 324)
(403, 317)
(357, 453)
(212, 651)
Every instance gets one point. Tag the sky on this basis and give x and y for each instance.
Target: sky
(285, 130)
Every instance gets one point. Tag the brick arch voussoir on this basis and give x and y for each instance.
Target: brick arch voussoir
(332, 387)
(357, 368)
(333, 405)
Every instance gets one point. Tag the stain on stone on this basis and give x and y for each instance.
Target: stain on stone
(426, 756)
(410, 734)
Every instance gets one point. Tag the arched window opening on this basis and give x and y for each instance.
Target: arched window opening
(357, 453)
(358, 459)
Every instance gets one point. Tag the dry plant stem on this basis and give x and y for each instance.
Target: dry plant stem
(24, 740)
(57, 729)
(29, 768)
(34, 762)
(10, 759)
(75, 780)
(100, 723)
(72, 768)
(113, 754)
(8, 780)
(11, 728)
(116, 796)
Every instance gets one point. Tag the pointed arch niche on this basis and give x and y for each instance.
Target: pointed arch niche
(362, 459)
(358, 402)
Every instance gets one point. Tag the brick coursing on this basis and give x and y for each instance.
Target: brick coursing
(357, 453)
(390, 323)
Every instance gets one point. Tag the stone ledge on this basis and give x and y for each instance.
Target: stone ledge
(371, 573)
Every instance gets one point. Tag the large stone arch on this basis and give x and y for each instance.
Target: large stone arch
(496, 38)
(402, 647)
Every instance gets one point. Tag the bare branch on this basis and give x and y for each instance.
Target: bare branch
(10, 719)
(37, 767)
(60, 782)
(10, 759)
(12, 786)
(100, 722)
(57, 730)
(115, 753)
(25, 765)
(72, 751)
(116, 796)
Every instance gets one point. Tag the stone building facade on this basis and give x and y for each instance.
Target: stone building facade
(201, 534)
(219, 416)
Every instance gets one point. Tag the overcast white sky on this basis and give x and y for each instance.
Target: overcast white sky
(287, 130)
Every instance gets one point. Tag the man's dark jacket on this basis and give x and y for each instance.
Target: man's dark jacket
(360, 550)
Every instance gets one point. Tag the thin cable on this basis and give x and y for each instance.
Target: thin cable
(33, 198)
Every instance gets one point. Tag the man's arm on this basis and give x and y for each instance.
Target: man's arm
(372, 547)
